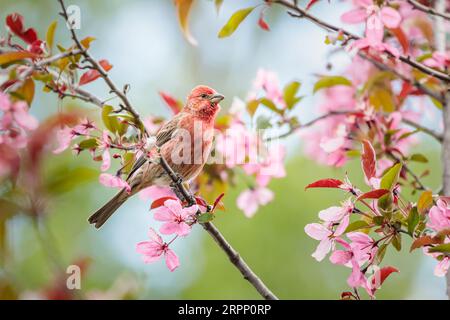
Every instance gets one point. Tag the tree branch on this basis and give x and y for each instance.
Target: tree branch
(300, 13)
(232, 254)
(421, 7)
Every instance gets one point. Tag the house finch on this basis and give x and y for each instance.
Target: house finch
(185, 143)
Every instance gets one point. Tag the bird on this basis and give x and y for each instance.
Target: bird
(184, 141)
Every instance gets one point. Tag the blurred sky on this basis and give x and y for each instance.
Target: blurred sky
(143, 42)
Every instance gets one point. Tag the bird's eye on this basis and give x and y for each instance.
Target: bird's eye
(204, 95)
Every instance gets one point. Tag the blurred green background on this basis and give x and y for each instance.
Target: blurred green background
(143, 42)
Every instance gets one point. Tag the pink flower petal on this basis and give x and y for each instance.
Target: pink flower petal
(390, 17)
(23, 118)
(172, 260)
(322, 249)
(153, 235)
(163, 214)
(340, 257)
(442, 267)
(174, 206)
(332, 214)
(317, 231)
(354, 16)
(169, 228)
(106, 160)
(374, 30)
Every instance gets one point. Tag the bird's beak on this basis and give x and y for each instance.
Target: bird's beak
(216, 98)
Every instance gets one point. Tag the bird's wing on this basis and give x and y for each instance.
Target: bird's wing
(164, 134)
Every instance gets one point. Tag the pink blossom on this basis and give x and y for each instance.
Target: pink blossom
(268, 81)
(250, 199)
(111, 181)
(156, 192)
(442, 267)
(439, 216)
(375, 19)
(323, 234)
(155, 248)
(16, 112)
(438, 60)
(177, 219)
(339, 215)
(64, 137)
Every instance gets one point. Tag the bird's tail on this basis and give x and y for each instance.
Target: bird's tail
(101, 215)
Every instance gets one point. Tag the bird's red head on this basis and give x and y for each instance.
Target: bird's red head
(204, 102)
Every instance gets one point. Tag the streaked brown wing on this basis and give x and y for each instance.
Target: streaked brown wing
(163, 135)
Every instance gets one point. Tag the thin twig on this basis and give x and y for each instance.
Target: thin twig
(421, 7)
(425, 130)
(301, 13)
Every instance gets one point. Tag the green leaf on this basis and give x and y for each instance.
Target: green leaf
(390, 178)
(270, 105)
(327, 82)
(88, 144)
(357, 225)
(380, 253)
(440, 248)
(206, 217)
(413, 220)
(128, 161)
(418, 157)
(51, 34)
(378, 220)
(234, 22)
(397, 242)
(289, 94)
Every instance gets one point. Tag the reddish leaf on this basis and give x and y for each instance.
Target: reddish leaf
(93, 74)
(15, 24)
(374, 194)
(402, 38)
(368, 160)
(160, 202)
(311, 3)
(201, 202)
(89, 76)
(262, 23)
(420, 242)
(105, 65)
(217, 201)
(384, 273)
(174, 104)
(325, 183)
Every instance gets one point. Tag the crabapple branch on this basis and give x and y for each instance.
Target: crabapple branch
(421, 7)
(233, 255)
(301, 13)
